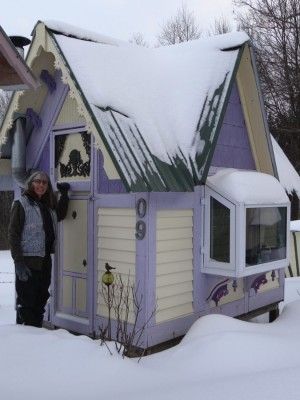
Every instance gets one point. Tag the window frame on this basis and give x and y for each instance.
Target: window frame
(237, 266)
(75, 185)
(267, 266)
(209, 264)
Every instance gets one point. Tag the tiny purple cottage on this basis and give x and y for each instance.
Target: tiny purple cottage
(172, 174)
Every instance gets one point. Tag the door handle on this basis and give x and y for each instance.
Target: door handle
(84, 263)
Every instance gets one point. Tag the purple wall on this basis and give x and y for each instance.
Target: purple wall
(233, 147)
(44, 164)
(104, 184)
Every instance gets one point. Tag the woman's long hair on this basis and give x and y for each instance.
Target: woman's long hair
(49, 198)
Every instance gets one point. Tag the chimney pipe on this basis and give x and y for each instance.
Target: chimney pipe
(18, 156)
(19, 42)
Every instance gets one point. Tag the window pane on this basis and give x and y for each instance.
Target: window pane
(219, 231)
(72, 156)
(265, 235)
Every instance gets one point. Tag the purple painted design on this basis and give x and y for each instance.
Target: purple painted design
(34, 118)
(49, 112)
(48, 79)
(260, 280)
(233, 148)
(219, 293)
(104, 184)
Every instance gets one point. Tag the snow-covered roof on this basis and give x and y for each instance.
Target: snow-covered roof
(295, 226)
(158, 109)
(248, 187)
(288, 176)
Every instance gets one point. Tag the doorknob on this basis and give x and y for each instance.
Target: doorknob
(84, 263)
(74, 214)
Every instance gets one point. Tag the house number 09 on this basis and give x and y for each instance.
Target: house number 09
(140, 227)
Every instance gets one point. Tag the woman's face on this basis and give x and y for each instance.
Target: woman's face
(40, 185)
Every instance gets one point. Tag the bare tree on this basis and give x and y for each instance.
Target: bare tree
(180, 28)
(274, 27)
(138, 38)
(221, 25)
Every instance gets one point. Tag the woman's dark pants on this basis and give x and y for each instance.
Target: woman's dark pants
(33, 294)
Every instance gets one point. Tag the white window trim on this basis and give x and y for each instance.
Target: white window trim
(241, 243)
(210, 265)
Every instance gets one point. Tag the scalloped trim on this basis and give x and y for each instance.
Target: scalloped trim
(43, 41)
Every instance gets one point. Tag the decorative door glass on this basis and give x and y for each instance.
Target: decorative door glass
(72, 156)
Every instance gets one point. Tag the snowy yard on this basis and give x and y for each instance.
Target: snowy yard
(220, 357)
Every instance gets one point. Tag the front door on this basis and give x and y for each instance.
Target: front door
(73, 263)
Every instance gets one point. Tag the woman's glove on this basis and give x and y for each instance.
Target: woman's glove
(63, 187)
(22, 271)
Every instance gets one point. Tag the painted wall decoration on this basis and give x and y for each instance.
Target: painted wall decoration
(73, 156)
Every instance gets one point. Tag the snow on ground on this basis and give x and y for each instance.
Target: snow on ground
(220, 357)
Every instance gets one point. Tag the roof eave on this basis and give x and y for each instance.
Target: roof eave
(87, 105)
(222, 113)
(9, 51)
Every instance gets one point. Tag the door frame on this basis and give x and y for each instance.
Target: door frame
(79, 191)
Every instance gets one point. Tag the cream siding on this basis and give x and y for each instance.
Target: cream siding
(174, 264)
(294, 254)
(116, 246)
(253, 114)
(69, 113)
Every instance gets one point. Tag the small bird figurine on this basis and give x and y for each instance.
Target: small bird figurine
(108, 267)
(107, 277)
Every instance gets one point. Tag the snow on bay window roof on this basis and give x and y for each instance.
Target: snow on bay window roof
(158, 108)
(248, 187)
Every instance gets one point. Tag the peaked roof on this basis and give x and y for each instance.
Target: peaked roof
(158, 110)
(288, 176)
(14, 73)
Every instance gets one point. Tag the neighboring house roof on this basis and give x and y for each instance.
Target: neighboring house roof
(14, 73)
(288, 176)
(159, 110)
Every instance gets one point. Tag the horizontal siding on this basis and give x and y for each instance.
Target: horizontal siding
(115, 245)
(174, 245)
(114, 232)
(170, 234)
(174, 290)
(174, 312)
(173, 268)
(174, 278)
(119, 221)
(115, 256)
(174, 264)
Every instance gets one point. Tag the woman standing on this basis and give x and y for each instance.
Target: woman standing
(32, 233)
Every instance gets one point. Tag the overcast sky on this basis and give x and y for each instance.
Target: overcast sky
(116, 18)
